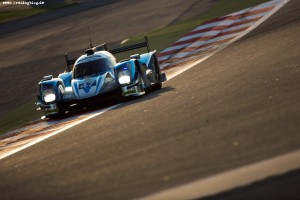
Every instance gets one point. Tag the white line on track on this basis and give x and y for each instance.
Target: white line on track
(96, 113)
(231, 179)
(179, 71)
(262, 6)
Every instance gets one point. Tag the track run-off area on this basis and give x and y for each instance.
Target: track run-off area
(224, 119)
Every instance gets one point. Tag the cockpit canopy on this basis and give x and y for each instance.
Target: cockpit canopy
(95, 67)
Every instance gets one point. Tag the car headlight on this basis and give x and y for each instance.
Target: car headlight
(49, 98)
(124, 77)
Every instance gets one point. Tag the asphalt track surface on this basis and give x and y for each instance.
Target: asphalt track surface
(238, 107)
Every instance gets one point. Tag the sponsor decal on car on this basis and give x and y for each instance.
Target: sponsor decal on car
(86, 86)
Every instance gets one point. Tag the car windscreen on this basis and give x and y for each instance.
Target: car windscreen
(99, 66)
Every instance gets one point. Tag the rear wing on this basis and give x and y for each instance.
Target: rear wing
(70, 62)
(132, 47)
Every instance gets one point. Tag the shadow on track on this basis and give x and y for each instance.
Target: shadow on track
(77, 111)
(284, 186)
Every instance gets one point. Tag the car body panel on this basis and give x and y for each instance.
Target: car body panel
(97, 73)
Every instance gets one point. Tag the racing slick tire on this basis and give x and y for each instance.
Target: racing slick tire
(61, 112)
(158, 85)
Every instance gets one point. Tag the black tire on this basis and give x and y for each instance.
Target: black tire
(61, 113)
(158, 85)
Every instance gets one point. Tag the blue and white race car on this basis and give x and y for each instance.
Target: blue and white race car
(97, 74)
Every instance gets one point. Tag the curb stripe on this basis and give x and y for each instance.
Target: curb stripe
(213, 31)
(215, 34)
(235, 17)
(234, 25)
(185, 51)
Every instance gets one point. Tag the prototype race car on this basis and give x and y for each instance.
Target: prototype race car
(97, 74)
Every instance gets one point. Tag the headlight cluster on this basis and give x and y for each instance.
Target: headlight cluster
(48, 93)
(49, 97)
(124, 77)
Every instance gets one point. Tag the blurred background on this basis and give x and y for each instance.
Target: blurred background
(8, 8)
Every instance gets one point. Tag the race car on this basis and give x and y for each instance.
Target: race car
(97, 74)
